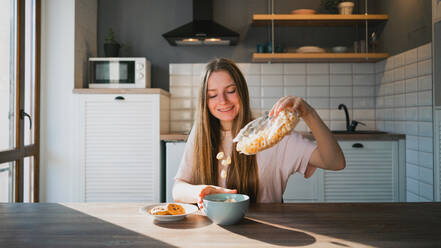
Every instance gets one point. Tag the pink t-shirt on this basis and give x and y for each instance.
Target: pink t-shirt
(274, 164)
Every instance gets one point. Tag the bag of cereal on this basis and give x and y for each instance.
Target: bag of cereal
(264, 132)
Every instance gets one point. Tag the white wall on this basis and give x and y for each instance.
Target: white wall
(436, 17)
(323, 85)
(57, 100)
(404, 105)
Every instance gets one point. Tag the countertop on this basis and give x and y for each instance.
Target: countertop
(121, 91)
(265, 225)
(339, 136)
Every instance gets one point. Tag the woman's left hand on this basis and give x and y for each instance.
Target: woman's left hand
(328, 154)
(293, 102)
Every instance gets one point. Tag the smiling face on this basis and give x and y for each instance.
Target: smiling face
(222, 98)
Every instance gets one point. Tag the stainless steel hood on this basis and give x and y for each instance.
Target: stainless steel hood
(202, 30)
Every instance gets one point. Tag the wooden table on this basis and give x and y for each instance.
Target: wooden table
(266, 225)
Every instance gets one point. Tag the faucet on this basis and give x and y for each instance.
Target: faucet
(349, 127)
(346, 113)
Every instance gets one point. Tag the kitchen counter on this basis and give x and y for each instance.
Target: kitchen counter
(338, 136)
(174, 137)
(265, 225)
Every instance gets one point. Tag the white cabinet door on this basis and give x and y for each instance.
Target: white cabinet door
(174, 153)
(119, 147)
(371, 173)
(299, 189)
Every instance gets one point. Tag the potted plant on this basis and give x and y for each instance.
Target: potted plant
(111, 46)
(331, 6)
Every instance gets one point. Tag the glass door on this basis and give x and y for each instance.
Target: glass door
(19, 100)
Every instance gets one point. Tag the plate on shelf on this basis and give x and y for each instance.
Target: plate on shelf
(189, 209)
(339, 49)
(310, 49)
(303, 12)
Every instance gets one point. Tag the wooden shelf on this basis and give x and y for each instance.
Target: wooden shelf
(316, 20)
(319, 57)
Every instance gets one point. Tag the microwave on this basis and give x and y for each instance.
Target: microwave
(119, 73)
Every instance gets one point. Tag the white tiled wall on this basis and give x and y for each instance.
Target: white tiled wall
(323, 85)
(394, 95)
(164, 114)
(404, 105)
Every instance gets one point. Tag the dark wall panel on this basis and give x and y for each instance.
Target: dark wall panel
(139, 25)
(409, 25)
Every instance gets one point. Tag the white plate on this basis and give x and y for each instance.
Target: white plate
(189, 209)
(339, 49)
(310, 49)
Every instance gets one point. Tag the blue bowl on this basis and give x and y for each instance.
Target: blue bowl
(226, 213)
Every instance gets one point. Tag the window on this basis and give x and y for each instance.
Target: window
(19, 102)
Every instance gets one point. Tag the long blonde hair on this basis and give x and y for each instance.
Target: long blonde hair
(242, 173)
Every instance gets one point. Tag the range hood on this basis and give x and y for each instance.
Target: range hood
(202, 30)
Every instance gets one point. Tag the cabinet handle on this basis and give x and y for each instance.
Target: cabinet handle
(119, 98)
(357, 145)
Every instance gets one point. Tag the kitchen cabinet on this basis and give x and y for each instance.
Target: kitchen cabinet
(173, 153)
(371, 173)
(119, 146)
(317, 20)
(300, 189)
(374, 173)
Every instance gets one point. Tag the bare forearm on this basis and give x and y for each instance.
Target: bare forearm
(189, 193)
(185, 192)
(330, 152)
(328, 155)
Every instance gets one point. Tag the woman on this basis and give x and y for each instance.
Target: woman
(223, 109)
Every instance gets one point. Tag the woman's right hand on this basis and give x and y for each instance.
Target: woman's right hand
(295, 103)
(209, 190)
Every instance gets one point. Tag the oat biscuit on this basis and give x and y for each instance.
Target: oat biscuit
(175, 209)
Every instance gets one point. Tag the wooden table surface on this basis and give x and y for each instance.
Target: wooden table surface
(266, 225)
